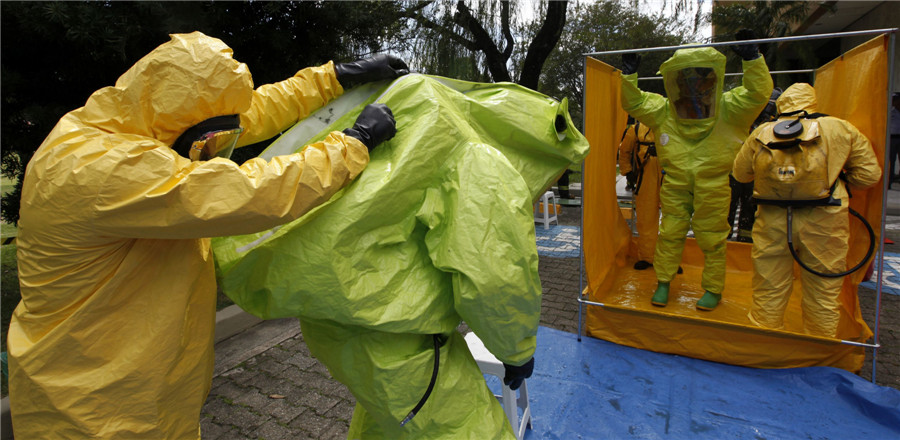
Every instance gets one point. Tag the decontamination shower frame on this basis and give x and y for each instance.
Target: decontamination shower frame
(885, 177)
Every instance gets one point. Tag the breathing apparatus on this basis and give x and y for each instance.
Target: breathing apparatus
(638, 163)
(792, 173)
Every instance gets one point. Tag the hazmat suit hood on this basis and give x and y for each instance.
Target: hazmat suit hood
(177, 85)
(693, 80)
(799, 96)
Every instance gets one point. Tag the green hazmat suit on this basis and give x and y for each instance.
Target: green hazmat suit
(698, 130)
(438, 229)
(827, 146)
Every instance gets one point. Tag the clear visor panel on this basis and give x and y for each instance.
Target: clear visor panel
(215, 144)
(696, 89)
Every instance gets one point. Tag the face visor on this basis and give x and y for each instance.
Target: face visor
(214, 137)
(695, 92)
(215, 144)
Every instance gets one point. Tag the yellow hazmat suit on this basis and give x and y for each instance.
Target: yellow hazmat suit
(698, 129)
(637, 152)
(820, 233)
(114, 334)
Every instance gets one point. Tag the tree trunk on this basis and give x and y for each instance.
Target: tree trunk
(496, 60)
(543, 43)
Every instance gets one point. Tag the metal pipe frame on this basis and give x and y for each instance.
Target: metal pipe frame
(886, 185)
(756, 41)
(773, 72)
(583, 180)
(886, 178)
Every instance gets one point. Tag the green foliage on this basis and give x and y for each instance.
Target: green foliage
(606, 26)
(767, 19)
(55, 54)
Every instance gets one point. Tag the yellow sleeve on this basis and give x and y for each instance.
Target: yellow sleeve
(745, 102)
(743, 162)
(649, 108)
(158, 194)
(276, 107)
(862, 169)
(485, 239)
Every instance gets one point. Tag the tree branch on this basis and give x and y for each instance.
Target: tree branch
(415, 13)
(495, 62)
(504, 20)
(543, 43)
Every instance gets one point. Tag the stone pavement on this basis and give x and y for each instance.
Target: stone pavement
(268, 386)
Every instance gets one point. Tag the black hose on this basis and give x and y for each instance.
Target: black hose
(831, 275)
(434, 372)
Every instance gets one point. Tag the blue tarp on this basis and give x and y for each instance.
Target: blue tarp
(595, 389)
(891, 277)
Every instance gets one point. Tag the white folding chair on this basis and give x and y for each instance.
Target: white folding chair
(511, 404)
(548, 200)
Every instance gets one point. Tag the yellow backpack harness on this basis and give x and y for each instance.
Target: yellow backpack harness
(638, 163)
(791, 171)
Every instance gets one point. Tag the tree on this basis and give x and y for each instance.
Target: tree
(606, 26)
(71, 49)
(479, 44)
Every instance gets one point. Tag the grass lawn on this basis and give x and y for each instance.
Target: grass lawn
(9, 286)
(9, 277)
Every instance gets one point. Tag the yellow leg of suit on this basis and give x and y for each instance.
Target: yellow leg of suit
(676, 204)
(702, 203)
(646, 205)
(820, 237)
(388, 373)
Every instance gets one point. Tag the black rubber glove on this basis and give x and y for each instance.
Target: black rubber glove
(630, 63)
(631, 178)
(374, 125)
(516, 375)
(747, 52)
(376, 68)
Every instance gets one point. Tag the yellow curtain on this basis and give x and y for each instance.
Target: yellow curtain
(606, 235)
(855, 87)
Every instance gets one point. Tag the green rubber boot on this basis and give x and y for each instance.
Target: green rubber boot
(661, 296)
(709, 301)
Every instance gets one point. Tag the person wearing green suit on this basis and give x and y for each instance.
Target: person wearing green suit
(439, 229)
(698, 130)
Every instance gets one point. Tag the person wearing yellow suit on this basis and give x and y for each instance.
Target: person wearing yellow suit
(637, 156)
(698, 130)
(113, 337)
(820, 233)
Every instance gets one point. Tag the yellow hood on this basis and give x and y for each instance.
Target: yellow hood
(694, 57)
(799, 96)
(163, 94)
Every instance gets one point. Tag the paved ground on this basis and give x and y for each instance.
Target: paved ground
(268, 386)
